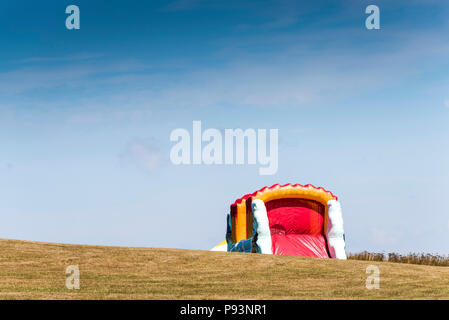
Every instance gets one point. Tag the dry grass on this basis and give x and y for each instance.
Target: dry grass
(413, 258)
(32, 270)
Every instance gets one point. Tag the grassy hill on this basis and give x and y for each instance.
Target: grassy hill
(33, 270)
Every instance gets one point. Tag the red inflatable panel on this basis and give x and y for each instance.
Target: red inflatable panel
(303, 245)
(296, 227)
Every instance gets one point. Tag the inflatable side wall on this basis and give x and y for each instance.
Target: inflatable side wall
(335, 232)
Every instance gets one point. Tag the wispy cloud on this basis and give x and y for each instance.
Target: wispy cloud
(81, 74)
(114, 112)
(293, 72)
(186, 5)
(69, 58)
(145, 154)
(181, 5)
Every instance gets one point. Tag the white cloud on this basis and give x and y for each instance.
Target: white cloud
(144, 154)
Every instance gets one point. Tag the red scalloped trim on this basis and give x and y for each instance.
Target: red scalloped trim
(246, 196)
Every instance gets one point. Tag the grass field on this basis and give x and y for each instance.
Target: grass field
(34, 270)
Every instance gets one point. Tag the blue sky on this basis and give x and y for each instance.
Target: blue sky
(86, 115)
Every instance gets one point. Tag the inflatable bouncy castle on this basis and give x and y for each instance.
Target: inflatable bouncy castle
(291, 220)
